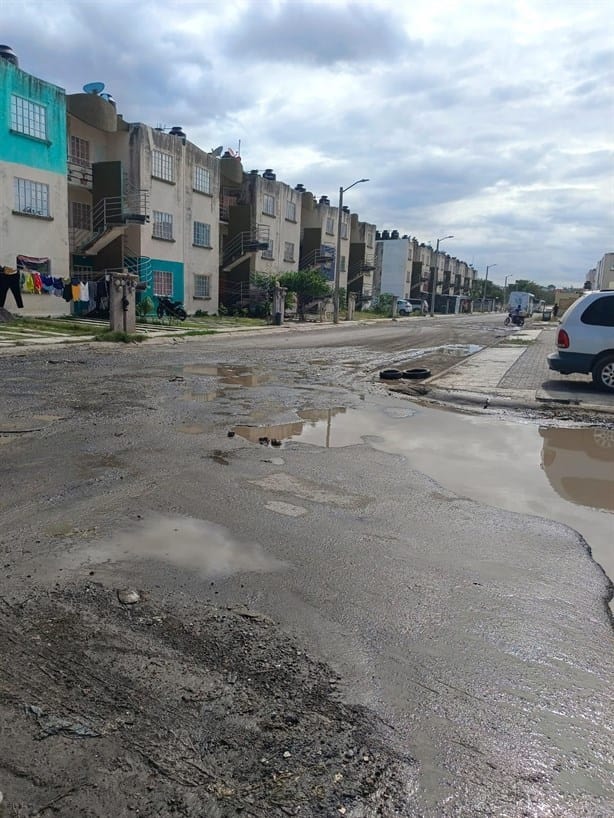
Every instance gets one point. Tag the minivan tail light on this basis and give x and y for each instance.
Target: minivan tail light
(562, 340)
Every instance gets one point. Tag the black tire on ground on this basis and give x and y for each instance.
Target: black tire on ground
(603, 373)
(390, 374)
(417, 373)
(403, 312)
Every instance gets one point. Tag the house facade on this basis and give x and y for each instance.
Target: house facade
(33, 193)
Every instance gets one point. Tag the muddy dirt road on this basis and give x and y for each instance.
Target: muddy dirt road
(202, 624)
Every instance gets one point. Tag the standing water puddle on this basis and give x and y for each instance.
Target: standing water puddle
(562, 474)
(229, 375)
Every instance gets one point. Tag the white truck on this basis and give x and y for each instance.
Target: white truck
(526, 302)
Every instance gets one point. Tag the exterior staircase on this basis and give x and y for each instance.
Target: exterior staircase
(243, 245)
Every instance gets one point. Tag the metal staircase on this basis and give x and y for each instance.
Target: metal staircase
(322, 258)
(244, 244)
(110, 218)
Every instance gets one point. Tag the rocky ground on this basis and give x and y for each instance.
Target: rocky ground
(132, 708)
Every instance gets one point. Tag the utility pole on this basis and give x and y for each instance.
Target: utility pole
(342, 190)
(434, 269)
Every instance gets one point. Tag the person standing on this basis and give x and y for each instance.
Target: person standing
(555, 310)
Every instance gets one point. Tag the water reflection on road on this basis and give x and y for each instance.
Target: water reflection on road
(562, 474)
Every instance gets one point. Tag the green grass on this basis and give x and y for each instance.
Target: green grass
(61, 326)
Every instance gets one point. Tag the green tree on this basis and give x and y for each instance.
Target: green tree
(306, 285)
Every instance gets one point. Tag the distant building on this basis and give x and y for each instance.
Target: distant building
(604, 279)
(33, 196)
(259, 228)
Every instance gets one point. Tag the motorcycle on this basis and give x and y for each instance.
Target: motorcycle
(514, 318)
(174, 309)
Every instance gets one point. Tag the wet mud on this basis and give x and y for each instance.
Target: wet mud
(121, 710)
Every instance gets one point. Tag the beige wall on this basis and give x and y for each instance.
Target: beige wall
(34, 236)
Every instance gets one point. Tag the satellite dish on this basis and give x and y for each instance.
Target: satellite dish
(93, 87)
(217, 151)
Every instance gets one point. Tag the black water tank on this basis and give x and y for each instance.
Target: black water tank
(7, 53)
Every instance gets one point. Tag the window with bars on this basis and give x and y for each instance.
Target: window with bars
(202, 179)
(344, 230)
(31, 197)
(369, 238)
(330, 225)
(28, 117)
(268, 205)
(202, 234)
(162, 225)
(268, 253)
(81, 215)
(162, 166)
(288, 251)
(79, 150)
(342, 264)
(202, 286)
(291, 211)
(162, 283)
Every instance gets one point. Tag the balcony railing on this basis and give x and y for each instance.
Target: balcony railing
(79, 172)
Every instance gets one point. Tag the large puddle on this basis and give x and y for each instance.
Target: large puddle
(563, 474)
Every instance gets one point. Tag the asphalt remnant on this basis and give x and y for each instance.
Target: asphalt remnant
(114, 709)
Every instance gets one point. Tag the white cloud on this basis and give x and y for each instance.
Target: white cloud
(491, 121)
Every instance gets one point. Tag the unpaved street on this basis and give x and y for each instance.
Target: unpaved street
(204, 615)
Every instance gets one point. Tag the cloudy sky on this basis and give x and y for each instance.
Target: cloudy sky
(491, 120)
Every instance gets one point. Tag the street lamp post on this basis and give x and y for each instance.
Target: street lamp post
(342, 190)
(433, 282)
(505, 290)
(488, 267)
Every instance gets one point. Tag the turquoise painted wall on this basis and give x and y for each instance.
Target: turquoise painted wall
(174, 267)
(49, 154)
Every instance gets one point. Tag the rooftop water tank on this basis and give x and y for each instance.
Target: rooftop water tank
(7, 53)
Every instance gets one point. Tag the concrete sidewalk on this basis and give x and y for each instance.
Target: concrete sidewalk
(514, 373)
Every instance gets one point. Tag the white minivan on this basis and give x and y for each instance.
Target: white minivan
(585, 339)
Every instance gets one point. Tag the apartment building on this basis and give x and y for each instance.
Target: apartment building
(361, 265)
(604, 277)
(259, 228)
(33, 195)
(393, 264)
(320, 222)
(143, 200)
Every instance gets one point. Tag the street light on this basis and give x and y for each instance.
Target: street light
(505, 290)
(342, 190)
(488, 267)
(434, 283)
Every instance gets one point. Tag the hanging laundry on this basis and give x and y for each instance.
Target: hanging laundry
(38, 282)
(58, 287)
(67, 291)
(10, 280)
(84, 291)
(47, 282)
(76, 292)
(27, 283)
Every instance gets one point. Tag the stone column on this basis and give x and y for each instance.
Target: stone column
(279, 300)
(122, 301)
(351, 307)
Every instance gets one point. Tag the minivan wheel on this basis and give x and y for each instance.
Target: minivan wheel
(603, 373)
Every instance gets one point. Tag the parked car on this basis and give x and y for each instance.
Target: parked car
(405, 306)
(585, 339)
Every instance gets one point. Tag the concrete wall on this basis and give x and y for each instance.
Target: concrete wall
(604, 279)
(281, 228)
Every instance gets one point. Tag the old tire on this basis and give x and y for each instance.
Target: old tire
(603, 373)
(391, 374)
(417, 373)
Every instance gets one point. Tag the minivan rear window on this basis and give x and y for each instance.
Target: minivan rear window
(600, 313)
